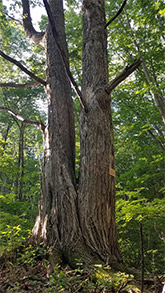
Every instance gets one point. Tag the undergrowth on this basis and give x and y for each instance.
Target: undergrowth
(30, 270)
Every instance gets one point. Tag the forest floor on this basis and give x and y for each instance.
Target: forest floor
(20, 278)
(30, 272)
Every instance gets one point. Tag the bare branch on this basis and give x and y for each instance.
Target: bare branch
(16, 20)
(39, 124)
(123, 75)
(117, 14)
(23, 68)
(36, 37)
(62, 54)
(21, 85)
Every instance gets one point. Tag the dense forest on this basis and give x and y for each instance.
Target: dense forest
(82, 144)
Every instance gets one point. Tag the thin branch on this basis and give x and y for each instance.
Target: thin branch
(36, 37)
(16, 20)
(20, 85)
(62, 54)
(123, 75)
(23, 68)
(117, 14)
(39, 124)
(154, 137)
(149, 131)
(159, 102)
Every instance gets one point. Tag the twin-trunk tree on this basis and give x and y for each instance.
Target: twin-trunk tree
(77, 220)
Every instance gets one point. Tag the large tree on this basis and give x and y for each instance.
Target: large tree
(76, 219)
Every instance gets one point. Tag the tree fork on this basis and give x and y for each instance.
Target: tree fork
(62, 54)
(78, 220)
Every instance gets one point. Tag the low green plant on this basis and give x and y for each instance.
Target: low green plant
(82, 280)
(31, 255)
(10, 238)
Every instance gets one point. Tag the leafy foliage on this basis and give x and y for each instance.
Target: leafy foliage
(138, 130)
(83, 280)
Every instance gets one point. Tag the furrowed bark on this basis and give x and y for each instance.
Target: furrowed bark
(57, 222)
(96, 201)
(62, 54)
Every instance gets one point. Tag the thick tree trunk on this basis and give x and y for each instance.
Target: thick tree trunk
(57, 223)
(97, 172)
(83, 220)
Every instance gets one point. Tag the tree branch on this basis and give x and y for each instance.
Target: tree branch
(39, 124)
(62, 54)
(21, 85)
(36, 37)
(154, 137)
(23, 68)
(159, 101)
(123, 75)
(117, 14)
(149, 131)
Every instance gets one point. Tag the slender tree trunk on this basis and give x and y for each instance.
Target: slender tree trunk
(2, 189)
(6, 134)
(21, 155)
(20, 174)
(142, 256)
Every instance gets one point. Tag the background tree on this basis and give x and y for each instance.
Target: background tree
(138, 128)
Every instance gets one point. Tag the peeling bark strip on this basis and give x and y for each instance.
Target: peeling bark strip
(23, 68)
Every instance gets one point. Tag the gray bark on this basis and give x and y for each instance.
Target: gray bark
(78, 219)
(96, 199)
(57, 223)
